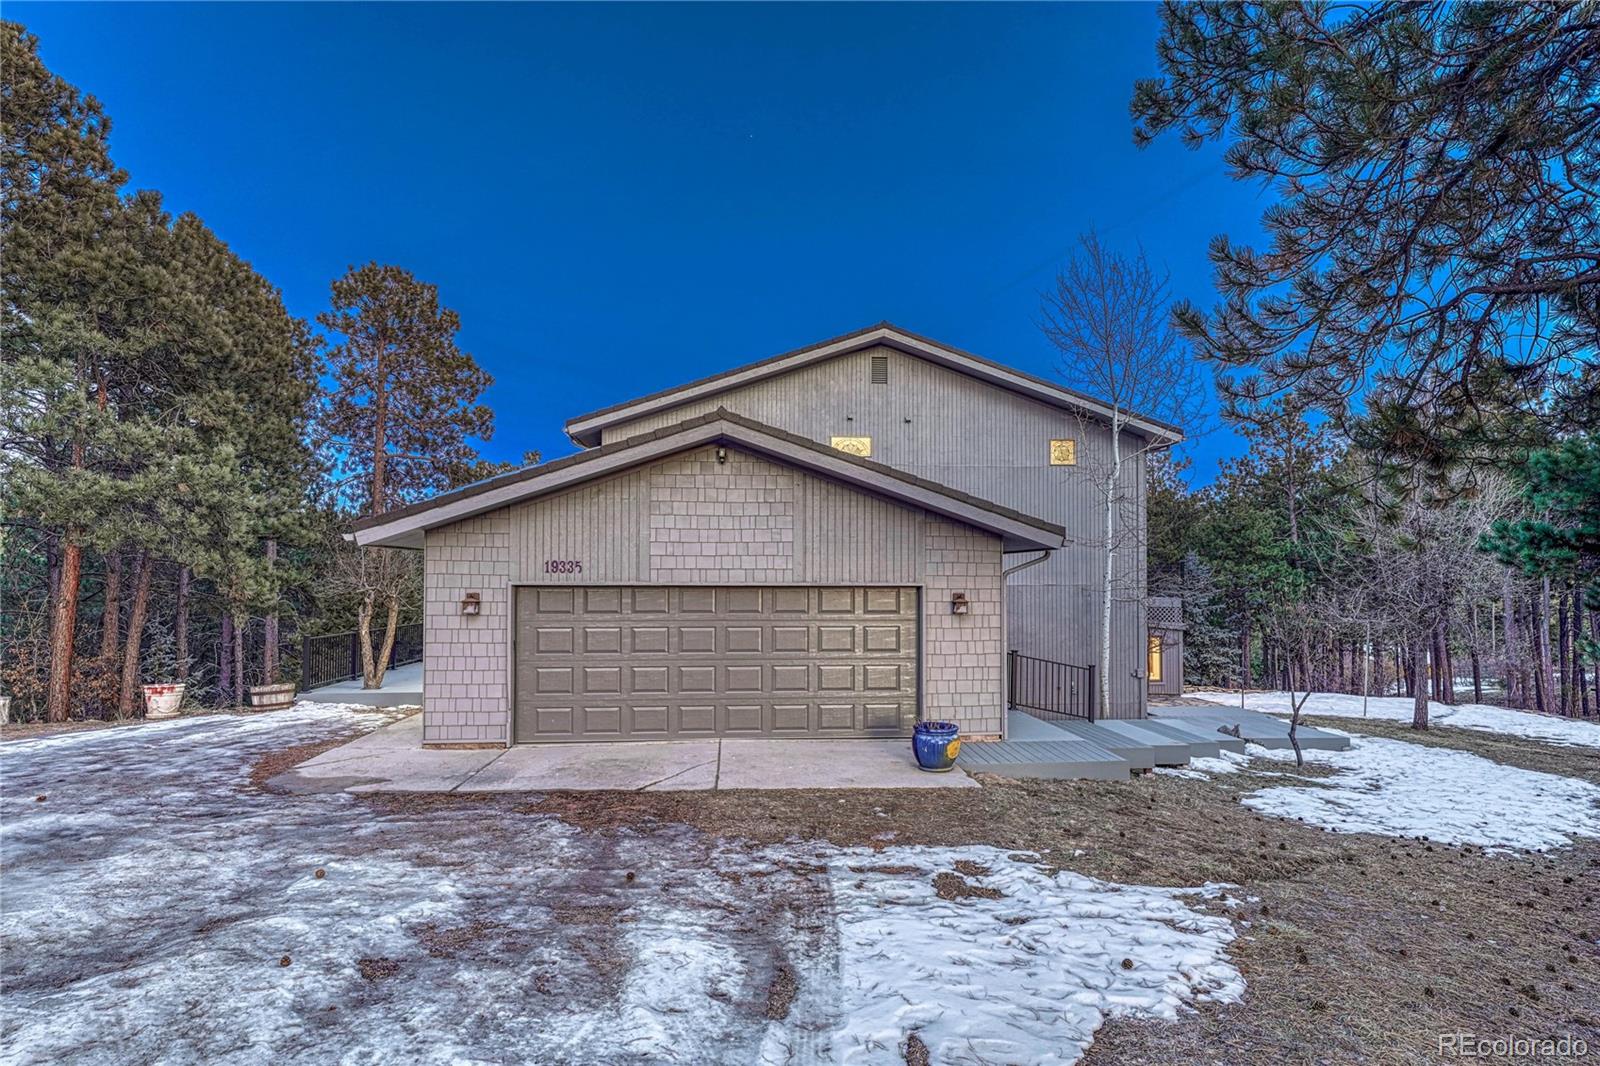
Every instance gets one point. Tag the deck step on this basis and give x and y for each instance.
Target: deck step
(1205, 731)
(1255, 727)
(1165, 750)
(1139, 754)
(1056, 760)
(1199, 745)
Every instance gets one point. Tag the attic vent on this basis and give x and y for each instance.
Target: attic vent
(880, 370)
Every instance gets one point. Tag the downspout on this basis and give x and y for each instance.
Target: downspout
(1005, 632)
(1047, 552)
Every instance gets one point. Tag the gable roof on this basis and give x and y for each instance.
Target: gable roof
(403, 527)
(586, 429)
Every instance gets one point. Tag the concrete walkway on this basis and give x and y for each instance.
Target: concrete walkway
(402, 687)
(392, 759)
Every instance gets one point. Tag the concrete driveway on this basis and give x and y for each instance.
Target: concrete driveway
(392, 759)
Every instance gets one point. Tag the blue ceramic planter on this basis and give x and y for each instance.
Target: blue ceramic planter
(936, 745)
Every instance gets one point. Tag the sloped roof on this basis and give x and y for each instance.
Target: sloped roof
(403, 527)
(586, 429)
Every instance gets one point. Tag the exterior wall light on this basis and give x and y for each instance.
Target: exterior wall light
(959, 604)
(471, 603)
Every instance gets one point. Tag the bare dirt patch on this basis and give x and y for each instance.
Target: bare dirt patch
(448, 941)
(377, 969)
(953, 886)
(781, 993)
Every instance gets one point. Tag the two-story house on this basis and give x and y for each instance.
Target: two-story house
(833, 542)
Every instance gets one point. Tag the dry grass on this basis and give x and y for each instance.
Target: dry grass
(283, 760)
(28, 730)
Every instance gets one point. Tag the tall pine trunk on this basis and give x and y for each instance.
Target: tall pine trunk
(63, 629)
(128, 704)
(1472, 652)
(111, 615)
(238, 659)
(1419, 692)
(1564, 702)
(225, 692)
(269, 639)
(1541, 630)
(180, 626)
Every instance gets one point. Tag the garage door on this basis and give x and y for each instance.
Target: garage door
(627, 663)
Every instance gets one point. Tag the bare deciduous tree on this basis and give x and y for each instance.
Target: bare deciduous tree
(1109, 318)
(385, 578)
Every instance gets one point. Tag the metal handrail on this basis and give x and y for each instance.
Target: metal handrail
(335, 657)
(1046, 688)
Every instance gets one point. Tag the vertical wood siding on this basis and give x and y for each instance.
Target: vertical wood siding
(940, 424)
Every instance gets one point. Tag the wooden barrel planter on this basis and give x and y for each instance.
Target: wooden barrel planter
(272, 697)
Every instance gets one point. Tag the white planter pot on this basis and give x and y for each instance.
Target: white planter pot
(162, 701)
(272, 697)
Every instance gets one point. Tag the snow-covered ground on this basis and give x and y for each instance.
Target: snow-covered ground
(1404, 789)
(159, 908)
(1551, 730)
(1397, 788)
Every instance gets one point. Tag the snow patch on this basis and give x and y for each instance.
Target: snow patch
(1025, 977)
(1481, 717)
(151, 899)
(1397, 788)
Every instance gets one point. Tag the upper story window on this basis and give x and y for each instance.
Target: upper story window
(1064, 453)
(861, 446)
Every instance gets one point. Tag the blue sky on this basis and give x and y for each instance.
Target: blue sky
(619, 198)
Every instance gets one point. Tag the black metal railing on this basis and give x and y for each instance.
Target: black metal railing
(336, 657)
(1048, 689)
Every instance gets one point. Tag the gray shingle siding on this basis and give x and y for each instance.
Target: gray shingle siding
(689, 519)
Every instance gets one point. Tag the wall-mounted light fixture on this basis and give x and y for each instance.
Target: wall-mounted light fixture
(959, 604)
(722, 455)
(471, 603)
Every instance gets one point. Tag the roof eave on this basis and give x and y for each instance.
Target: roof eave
(587, 430)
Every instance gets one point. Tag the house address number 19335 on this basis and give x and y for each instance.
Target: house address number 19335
(563, 566)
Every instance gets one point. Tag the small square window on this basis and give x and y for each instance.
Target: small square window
(861, 446)
(1063, 453)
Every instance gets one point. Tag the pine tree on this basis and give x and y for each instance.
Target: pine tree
(1437, 232)
(398, 423)
(58, 202)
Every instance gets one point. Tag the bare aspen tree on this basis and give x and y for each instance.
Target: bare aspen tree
(1109, 318)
